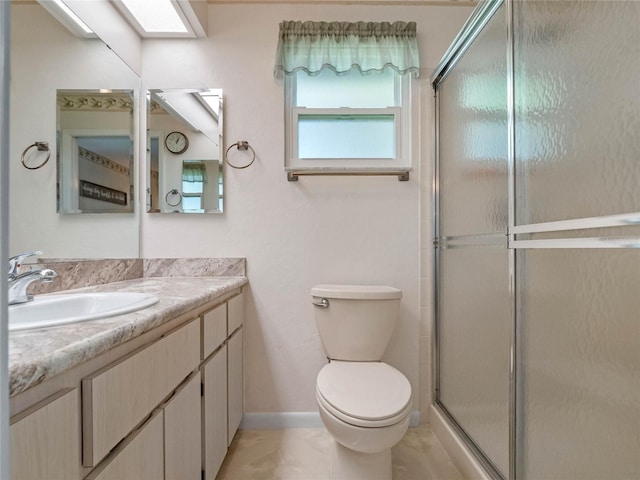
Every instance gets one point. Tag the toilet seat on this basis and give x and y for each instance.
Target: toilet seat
(364, 394)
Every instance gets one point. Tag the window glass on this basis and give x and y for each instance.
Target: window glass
(192, 204)
(328, 90)
(192, 187)
(346, 136)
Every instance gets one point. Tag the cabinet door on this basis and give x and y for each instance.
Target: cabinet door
(235, 313)
(45, 440)
(182, 432)
(214, 375)
(119, 396)
(236, 397)
(140, 456)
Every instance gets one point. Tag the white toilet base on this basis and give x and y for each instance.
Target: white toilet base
(348, 464)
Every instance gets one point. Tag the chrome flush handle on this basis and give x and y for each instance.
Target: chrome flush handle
(323, 303)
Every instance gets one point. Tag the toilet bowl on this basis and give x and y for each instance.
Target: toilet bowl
(364, 403)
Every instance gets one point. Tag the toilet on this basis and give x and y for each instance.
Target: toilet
(364, 403)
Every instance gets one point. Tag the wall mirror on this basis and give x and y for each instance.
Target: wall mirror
(184, 151)
(95, 151)
(45, 58)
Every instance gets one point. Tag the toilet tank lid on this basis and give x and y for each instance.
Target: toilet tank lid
(357, 292)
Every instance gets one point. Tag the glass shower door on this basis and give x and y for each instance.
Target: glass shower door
(577, 184)
(473, 299)
(538, 238)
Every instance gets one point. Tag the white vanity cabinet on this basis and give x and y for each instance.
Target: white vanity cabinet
(138, 456)
(165, 410)
(183, 432)
(118, 397)
(167, 446)
(222, 381)
(235, 379)
(214, 329)
(235, 395)
(214, 408)
(45, 439)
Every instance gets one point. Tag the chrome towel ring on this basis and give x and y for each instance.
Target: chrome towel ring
(42, 147)
(173, 192)
(242, 145)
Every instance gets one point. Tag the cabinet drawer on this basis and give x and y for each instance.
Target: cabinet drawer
(118, 397)
(214, 329)
(139, 457)
(235, 313)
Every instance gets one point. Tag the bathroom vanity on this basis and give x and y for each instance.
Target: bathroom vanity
(156, 393)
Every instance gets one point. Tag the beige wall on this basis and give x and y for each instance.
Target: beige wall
(295, 235)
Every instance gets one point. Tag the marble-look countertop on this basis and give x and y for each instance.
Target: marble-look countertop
(39, 354)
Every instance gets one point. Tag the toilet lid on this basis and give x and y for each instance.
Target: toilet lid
(364, 390)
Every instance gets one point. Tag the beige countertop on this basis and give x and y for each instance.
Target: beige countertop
(39, 354)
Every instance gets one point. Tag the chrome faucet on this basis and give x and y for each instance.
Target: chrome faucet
(18, 282)
(16, 262)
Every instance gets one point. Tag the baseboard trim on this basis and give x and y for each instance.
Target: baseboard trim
(282, 420)
(461, 456)
(414, 419)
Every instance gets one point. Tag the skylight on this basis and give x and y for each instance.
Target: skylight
(149, 18)
(211, 98)
(156, 17)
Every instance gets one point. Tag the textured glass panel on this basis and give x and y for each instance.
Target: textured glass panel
(353, 136)
(579, 413)
(577, 90)
(474, 339)
(473, 137)
(328, 90)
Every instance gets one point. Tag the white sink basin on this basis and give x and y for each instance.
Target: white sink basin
(53, 310)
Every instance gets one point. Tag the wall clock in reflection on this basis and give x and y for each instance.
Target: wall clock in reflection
(176, 142)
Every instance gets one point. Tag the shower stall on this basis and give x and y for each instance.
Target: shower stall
(537, 238)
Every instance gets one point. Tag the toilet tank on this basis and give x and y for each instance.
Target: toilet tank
(358, 321)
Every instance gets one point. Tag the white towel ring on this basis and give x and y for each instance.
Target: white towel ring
(42, 147)
(242, 145)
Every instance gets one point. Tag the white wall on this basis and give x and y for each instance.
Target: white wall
(295, 235)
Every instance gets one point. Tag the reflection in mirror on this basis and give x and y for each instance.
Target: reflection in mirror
(95, 151)
(201, 186)
(45, 57)
(184, 161)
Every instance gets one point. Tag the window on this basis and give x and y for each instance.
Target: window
(201, 186)
(192, 196)
(350, 120)
(347, 94)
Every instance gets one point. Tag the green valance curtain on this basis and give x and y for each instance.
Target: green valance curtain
(194, 173)
(344, 46)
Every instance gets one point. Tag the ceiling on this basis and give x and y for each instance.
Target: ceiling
(328, 2)
(355, 2)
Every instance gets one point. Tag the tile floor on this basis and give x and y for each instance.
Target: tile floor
(304, 454)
